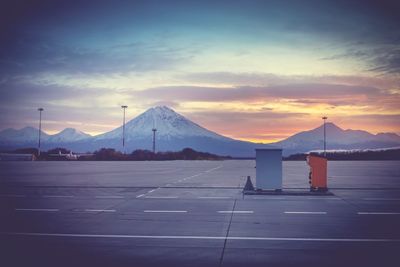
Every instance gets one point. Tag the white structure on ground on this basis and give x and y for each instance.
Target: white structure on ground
(269, 169)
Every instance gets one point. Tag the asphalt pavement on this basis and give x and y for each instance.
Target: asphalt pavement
(193, 213)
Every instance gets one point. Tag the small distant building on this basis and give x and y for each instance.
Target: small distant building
(17, 157)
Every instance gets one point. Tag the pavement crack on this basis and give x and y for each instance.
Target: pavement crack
(227, 234)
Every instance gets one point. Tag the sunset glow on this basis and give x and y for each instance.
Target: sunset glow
(251, 70)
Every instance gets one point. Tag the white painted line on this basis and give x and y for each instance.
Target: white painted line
(214, 197)
(382, 199)
(324, 198)
(159, 197)
(305, 212)
(11, 195)
(94, 210)
(268, 198)
(191, 176)
(213, 169)
(295, 239)
(52, 210)
(109, 197)
(378, 213)
(140, 196)
(165, 211)
(151, 191)
(235, 211)
(56, 196)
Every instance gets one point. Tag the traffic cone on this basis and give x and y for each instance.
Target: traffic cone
(249, 185)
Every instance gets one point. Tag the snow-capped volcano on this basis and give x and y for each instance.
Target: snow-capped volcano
(175, 132)
(168, 123)
(68, 135)
(337, 138)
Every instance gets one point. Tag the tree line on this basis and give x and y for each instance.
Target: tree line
(110, 154)
(390, 154)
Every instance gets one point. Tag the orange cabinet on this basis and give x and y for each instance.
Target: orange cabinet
(318, 173)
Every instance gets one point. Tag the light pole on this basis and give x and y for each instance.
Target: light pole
(124, 107)
(154, 139)
(325, 118)
(40, 128)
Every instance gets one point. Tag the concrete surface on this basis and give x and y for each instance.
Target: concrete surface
(192, 213)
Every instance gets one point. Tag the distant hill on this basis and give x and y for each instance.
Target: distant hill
(175, 132)
(68, 135)
(337, 138)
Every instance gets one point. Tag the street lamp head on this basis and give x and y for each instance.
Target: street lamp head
(124, 106)
(40, 109)
(324, 118)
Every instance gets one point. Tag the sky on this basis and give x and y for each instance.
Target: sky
(252, 70)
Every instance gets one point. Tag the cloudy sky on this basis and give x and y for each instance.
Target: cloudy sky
(252, 70)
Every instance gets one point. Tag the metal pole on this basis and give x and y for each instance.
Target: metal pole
(123, 130)
(40, 128)
(325, 118)
(154, 140)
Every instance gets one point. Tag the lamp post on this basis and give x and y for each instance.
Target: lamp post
(124, 107)
(325, 118)
(154, 139)
(40, 128)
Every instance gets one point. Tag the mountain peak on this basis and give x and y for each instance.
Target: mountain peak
(72, 131)
(162, 111)
(68, 135)
(162, 108)
(330, 126)
(169, 125)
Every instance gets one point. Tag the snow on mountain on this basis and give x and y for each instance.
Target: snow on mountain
(24, 135)
(168, 123)
(337, 138)
(175, 132)
(31, 135)
(390, 137)
(68, 135)
(333, 133)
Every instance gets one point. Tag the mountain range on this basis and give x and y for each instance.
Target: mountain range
(175, 132)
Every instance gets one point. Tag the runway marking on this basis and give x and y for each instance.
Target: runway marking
(151, 191)
(109, 197)
(189, 177)
(295, 239)
(382, 199)
(325, 198)
(51, 210)
(305, 212)
(378, 213)
(56, 196)
(213, 197)
(11, 195)
(213, 169)
(94, 210)
(269, 198)
(235, 211)
(140, 196)
(159, 197)
(165, 211)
